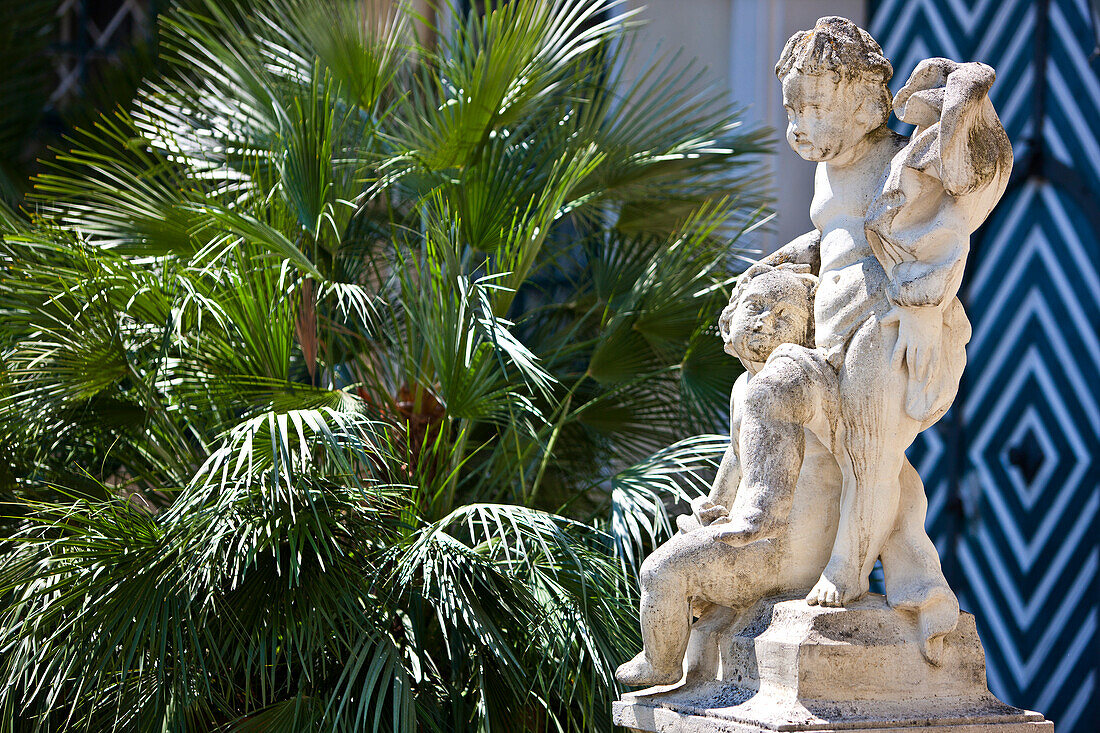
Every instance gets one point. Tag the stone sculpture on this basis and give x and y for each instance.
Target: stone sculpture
(853, 340)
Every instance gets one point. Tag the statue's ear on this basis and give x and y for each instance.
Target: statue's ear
(871, 113)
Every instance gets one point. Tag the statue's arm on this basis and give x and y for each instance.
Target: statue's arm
(934, 280)
(974, 148)
(802, 250)
(716, 504)
(965, 180)
(724, 488)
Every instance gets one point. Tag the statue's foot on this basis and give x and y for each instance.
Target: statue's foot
(638, 672)
(834, 592)
(935, 620)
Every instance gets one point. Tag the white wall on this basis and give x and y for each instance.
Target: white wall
(740, 41)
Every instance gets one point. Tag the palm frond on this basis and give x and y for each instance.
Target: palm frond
(323, 366)
(641, 496)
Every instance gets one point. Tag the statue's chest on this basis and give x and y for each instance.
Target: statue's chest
(841, 198)
(839, 215)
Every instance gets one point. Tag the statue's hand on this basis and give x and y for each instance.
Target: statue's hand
(707, 512)
(920, 101)
(918, 339)
(929, 74)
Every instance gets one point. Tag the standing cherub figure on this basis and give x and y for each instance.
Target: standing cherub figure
(892, 219)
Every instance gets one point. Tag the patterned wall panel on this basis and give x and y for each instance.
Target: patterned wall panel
(1012, 472)
(1028, 555)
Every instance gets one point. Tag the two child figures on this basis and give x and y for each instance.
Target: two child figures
(853, 341)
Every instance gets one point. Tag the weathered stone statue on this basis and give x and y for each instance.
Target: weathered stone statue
(853, 342)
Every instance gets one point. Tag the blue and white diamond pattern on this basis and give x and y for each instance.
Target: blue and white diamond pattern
(1029, 557)
(1012, 472)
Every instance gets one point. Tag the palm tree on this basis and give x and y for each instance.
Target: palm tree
(343, 381)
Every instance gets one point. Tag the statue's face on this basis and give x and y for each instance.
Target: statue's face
(773, 310)
(824, 118)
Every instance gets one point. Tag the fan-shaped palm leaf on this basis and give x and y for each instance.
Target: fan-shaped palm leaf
(338, 375)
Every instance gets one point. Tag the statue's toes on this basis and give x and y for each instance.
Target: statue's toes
(932, 649)
(936, 620)
(829, 594)
(819, 594)
(638, 672)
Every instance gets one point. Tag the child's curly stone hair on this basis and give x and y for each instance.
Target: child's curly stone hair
(839, 47)
(835, 45)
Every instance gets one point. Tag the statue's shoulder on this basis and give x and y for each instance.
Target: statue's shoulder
(891, 145)
(740, 386)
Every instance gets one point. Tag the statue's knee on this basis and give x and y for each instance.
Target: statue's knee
(650, 573)
(663, 573)
(774, 395)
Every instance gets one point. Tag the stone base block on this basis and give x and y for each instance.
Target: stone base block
(646, 718)
(787, 666)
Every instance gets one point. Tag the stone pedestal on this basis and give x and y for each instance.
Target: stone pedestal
(788, 666)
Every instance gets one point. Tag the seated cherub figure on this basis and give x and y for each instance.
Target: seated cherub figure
(765, 322)
(709, 563)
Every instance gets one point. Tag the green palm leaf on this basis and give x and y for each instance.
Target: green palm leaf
(344, 381)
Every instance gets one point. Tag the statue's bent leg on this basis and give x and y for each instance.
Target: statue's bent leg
(702, 661)
(911, 565)
(772, 441)
(691, 566)
(874, 433)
